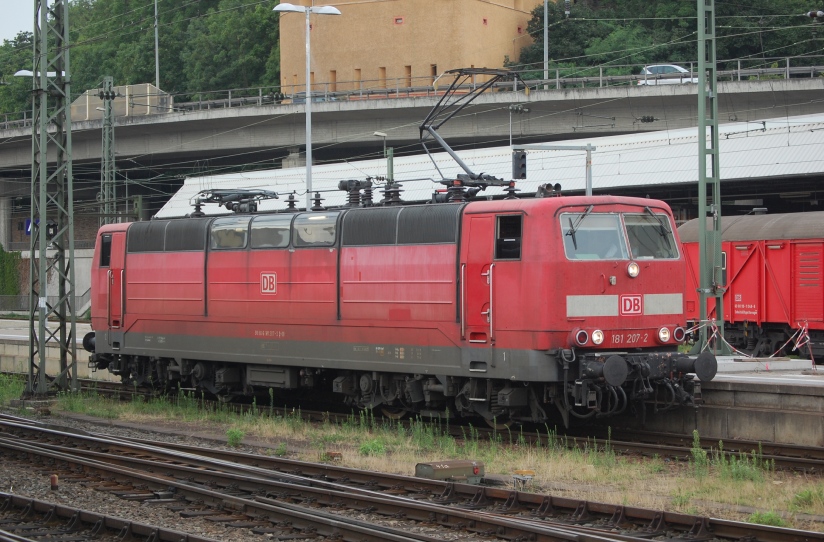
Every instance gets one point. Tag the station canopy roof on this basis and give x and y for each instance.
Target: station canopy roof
(780, 147)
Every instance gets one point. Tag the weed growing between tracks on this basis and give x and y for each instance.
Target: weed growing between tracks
(714, 483)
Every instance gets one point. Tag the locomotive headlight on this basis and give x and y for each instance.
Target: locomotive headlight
(581, 337)
(679, 334)
(597, 336)
(664, 335)
(633, 269)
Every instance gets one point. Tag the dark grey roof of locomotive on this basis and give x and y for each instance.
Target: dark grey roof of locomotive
(761, 227)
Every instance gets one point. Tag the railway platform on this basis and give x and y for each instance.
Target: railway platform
(766, 399)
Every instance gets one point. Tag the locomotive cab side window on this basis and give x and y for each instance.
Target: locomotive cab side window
(105, 250)
(230, 232)
(271, 231)
(593, 236)
(650, 236)
(315, 229)
(508, 237)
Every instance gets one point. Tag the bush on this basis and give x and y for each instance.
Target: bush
(372, 447)
(234, 437)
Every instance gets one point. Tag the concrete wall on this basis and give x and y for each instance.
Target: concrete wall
(765, 412)
(14, 358)
(376, 44)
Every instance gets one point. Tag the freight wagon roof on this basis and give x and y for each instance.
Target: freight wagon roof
(761, 227)
(782, 147)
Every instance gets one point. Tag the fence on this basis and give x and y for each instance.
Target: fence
(20, 303)
(404, 87)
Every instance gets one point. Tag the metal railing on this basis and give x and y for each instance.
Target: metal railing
(79, 244)
(20, 303)
(405, 87)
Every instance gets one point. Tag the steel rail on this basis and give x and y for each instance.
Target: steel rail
(200, 482)
(326, 478)
(76, 522)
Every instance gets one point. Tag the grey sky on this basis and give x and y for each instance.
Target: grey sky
(17, 16)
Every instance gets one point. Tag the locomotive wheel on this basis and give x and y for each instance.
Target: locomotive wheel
(499, 423)
(394, 413)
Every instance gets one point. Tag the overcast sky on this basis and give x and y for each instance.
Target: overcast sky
(17, 15)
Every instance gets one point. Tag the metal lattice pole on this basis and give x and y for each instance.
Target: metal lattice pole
(51, 204)
(709, 185)
(107, 187)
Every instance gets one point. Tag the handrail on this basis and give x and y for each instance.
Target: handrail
(407, 87)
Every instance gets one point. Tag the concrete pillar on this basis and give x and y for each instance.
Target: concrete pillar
(5, 222)
(294, 159)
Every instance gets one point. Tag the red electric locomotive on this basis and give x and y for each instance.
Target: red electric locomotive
(772, 267)
(511, 309)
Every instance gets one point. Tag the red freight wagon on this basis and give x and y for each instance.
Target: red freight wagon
(512, 309)
(773, 270)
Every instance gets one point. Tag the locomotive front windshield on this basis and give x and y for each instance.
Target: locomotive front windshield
(613, 236)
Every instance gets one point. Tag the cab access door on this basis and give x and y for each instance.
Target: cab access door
(478, 280)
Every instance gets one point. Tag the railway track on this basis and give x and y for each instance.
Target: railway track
(649, 444)
(261, 492)
(29, 520)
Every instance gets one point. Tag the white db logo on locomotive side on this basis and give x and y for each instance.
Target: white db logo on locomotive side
(268, 283)
(631, 304)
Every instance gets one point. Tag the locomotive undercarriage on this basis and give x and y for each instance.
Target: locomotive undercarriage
(593, 386)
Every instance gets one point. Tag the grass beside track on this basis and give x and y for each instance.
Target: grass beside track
(743, 488)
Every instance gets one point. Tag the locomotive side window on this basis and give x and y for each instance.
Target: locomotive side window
(650, 236)
(315, 229)
(508, 237)
(271, 231)
(230, 232)
(105, 250)
(593, 236)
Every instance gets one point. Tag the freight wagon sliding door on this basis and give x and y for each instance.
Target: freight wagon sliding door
(808, 286)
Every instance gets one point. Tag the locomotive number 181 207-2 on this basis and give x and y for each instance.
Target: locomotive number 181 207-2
(629, 338)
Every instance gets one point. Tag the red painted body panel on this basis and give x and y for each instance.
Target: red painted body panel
(775, 281)
(166, 283)
(436, 294)
(399, 283)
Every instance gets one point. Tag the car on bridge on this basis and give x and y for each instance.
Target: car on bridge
(666, 74)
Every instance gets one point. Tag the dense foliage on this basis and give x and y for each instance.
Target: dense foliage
(204, 45)
(9, 273)
(636, 32)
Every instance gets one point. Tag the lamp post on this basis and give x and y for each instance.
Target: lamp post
(390, 174)
(320, 10)
(515, 108)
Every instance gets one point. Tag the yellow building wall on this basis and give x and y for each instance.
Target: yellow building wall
(377, 44)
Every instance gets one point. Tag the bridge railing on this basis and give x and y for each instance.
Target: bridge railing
(406, 87)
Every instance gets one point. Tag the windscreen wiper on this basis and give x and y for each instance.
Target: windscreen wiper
(663, 230)
(574, 227)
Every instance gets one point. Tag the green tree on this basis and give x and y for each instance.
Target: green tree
(15, 93)
(234, 46)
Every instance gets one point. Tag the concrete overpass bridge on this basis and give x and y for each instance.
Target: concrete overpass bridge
(156, 151)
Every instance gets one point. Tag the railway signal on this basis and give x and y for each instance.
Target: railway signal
(519, 164)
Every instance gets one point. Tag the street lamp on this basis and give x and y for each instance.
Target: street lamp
(515, 108)
(320, 10)
(390, 174)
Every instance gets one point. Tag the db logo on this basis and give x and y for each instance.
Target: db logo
(268, 283)
(630, 304)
